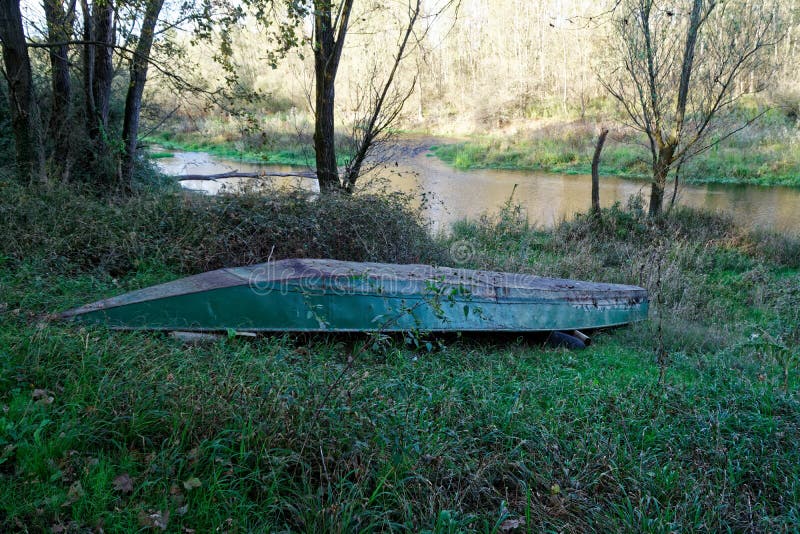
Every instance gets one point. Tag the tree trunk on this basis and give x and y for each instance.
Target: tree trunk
(102, 21)
(328, 43)
(88, 65)
(660, 171)
(596, 171)
(327, 170)
(59, 30)
(656, 195)
(22, 102)
(138, 73)
(666, 150)
(675, 189)
(325, 78)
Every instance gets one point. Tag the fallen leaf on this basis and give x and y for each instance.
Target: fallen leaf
(177, 498)
(512, 524)
(153, 519)
(76, 490)
(74, 493)
(123, 483)
(192, 483)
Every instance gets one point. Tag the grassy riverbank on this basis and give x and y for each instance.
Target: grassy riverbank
(765, 154)
(768, 155)
(283, 149)
(120, 431)
(287, 154)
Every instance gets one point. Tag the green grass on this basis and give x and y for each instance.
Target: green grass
(160, 155)
(117, 430)
(765, 158)
(542, 155)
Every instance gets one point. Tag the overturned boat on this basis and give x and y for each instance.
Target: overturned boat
(311, 295)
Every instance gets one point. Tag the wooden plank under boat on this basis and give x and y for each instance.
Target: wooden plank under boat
(306, 295)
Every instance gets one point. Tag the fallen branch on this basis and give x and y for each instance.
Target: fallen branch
(237, 174)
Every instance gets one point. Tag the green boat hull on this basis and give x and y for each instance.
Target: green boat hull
(324, 295)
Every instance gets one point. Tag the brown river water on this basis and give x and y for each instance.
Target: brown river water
(548, 198)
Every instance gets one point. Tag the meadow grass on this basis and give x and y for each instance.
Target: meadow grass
(126, 431)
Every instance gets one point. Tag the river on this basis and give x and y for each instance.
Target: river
(548, 198)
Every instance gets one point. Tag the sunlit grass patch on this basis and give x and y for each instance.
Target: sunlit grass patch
(160, 155)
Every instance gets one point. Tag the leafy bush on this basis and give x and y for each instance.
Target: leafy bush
(73, 228)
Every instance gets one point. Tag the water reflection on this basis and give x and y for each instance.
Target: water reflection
(202, 163)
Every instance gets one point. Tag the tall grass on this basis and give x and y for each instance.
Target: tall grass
(128, 431)
(710, 275)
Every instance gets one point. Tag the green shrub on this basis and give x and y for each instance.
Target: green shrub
(76, 229)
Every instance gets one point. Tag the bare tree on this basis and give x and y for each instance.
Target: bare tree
(380, 102)
(680, 63)
(380, 105)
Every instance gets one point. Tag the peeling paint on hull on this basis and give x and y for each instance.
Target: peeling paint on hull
(329, 295)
